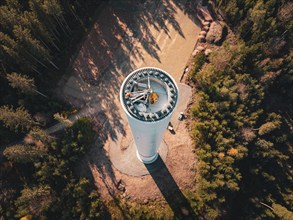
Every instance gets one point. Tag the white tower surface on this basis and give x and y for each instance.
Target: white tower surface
(149, 97)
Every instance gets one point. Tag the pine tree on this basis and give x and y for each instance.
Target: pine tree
(15, 4)
(257, 15)
(282, 212)
(273, 122)
(34, 201)
(11, 47)
(38, 29)
(29, 46)
(38, 134)
(23, 83)
(8, 18)
(23, 153)
(53, 8)
(37, 8)
(17, 120)
(63, 119)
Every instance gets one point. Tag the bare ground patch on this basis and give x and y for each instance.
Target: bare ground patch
(179, 167)
(158, 37)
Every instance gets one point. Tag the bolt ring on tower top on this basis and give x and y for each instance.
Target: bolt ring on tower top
(138, 89)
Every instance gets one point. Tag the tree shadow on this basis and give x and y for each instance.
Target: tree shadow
(117, 26)
(192, 9)
(170, 190)
(97, 166)
(112, 45)
(106, 57)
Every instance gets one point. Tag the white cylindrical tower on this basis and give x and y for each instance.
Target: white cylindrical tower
(149, 97)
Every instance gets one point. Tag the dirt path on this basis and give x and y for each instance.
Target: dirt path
(156, 33)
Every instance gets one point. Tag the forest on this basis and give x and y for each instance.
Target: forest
(37, 38)
(241, 121)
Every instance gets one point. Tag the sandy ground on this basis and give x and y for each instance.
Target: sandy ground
(124, 38)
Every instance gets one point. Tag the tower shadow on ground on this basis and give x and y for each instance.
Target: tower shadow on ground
(170, 190)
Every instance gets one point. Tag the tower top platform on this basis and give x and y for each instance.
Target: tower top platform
(149, 94)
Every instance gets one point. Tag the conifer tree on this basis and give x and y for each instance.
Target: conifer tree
(30, 46)
(17, 120)
(39, 134)
(23, 153)
(38, 29)
(34, 201)
(282, 212)
(11, 47)
(63, 119)
(53, 8)
(23, 83)
(8, 18)
(37, 8)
